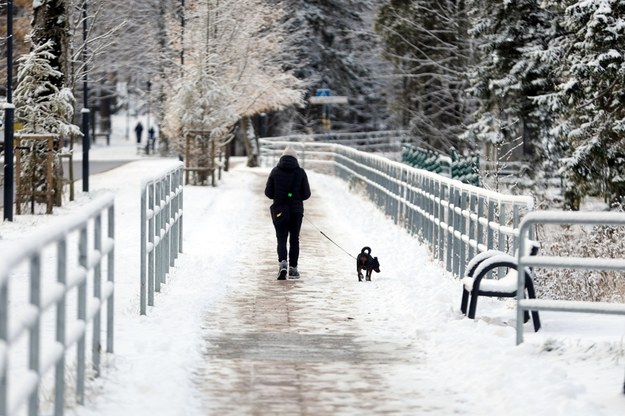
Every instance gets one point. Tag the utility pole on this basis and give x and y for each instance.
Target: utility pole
(9, 109)
(85, 105)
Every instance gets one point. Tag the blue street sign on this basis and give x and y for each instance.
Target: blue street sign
(323, 92)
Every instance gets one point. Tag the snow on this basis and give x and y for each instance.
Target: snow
(573, 366)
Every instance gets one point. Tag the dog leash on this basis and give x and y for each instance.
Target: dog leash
(332, 241)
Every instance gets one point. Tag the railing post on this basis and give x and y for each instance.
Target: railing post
(180, 214)
(97, 294)
(491, 218)
(61, 311)
(472, 225)
(463, 231)
(143, 253)
(441, 219)
(34, 348)
(82, 316)
(480, 215)
(151, 243)
(457, 240)
(110, 307)
(501, 239)
(449, 227)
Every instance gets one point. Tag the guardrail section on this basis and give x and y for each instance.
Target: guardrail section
(456, 220)
(55, 286)
(569, 262)
(161, 230)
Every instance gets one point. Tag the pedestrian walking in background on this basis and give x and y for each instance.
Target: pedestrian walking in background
(288, 187)
(151, 137)
(139, 131)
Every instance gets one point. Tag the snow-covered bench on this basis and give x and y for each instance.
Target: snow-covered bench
(474, 284)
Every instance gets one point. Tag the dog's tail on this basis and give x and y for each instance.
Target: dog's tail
(366, 250)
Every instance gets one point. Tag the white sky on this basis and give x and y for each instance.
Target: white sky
(574, 366)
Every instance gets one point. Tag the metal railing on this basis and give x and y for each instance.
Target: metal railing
(387, 141)
(161, 230)
(456, 220)
(39, 277)
(568, 262)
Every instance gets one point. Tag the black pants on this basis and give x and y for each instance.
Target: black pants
(289, 231)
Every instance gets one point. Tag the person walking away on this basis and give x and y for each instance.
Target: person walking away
(151, 138)
(288, 187)
(139, 131)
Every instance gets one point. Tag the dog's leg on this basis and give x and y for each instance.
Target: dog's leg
(369, 272)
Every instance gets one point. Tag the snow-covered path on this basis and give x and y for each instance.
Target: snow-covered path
(226, 338)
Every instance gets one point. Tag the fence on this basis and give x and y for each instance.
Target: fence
(161, 230)
(559, 217)
(40, 275)
(456, 220)
(380, 141)
(463, 168)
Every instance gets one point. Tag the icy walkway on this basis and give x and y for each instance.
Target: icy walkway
(226, 338)
(304, 347)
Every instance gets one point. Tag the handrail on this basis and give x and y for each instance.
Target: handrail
(566, 262)
(29, 313)
(161, 230)
(457, 220)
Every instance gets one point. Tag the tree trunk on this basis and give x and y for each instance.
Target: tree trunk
(50, 22)
(252, 157)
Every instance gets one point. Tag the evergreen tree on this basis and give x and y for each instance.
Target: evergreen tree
(41, 106)
(44, 108)
(592, 97)
(331, 44)
(511, 77)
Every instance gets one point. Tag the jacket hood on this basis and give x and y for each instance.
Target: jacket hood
(288, 163)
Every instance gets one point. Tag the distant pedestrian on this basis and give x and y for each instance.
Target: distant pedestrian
(151, 137)
(288, 186)
(139, 131)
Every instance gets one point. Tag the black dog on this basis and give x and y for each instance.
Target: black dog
(365, 261)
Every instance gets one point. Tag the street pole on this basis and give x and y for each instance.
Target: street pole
(9, 109)
(85, 105)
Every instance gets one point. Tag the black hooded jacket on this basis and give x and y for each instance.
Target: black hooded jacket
(287, 177)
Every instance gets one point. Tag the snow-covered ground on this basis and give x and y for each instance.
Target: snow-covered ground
(574, 366)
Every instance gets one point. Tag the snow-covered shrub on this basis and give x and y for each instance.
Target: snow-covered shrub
(583, 241)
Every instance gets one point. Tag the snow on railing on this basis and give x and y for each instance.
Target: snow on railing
(566, 262)
(457, 220)
(161, 230)
(40, 276)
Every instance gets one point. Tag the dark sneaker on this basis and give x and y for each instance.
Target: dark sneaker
(293, 273)
(282, 270)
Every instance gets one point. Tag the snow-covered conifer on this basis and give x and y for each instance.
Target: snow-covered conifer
(592, 94)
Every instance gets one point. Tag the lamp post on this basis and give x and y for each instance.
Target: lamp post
(85, 105)
(9, 109)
